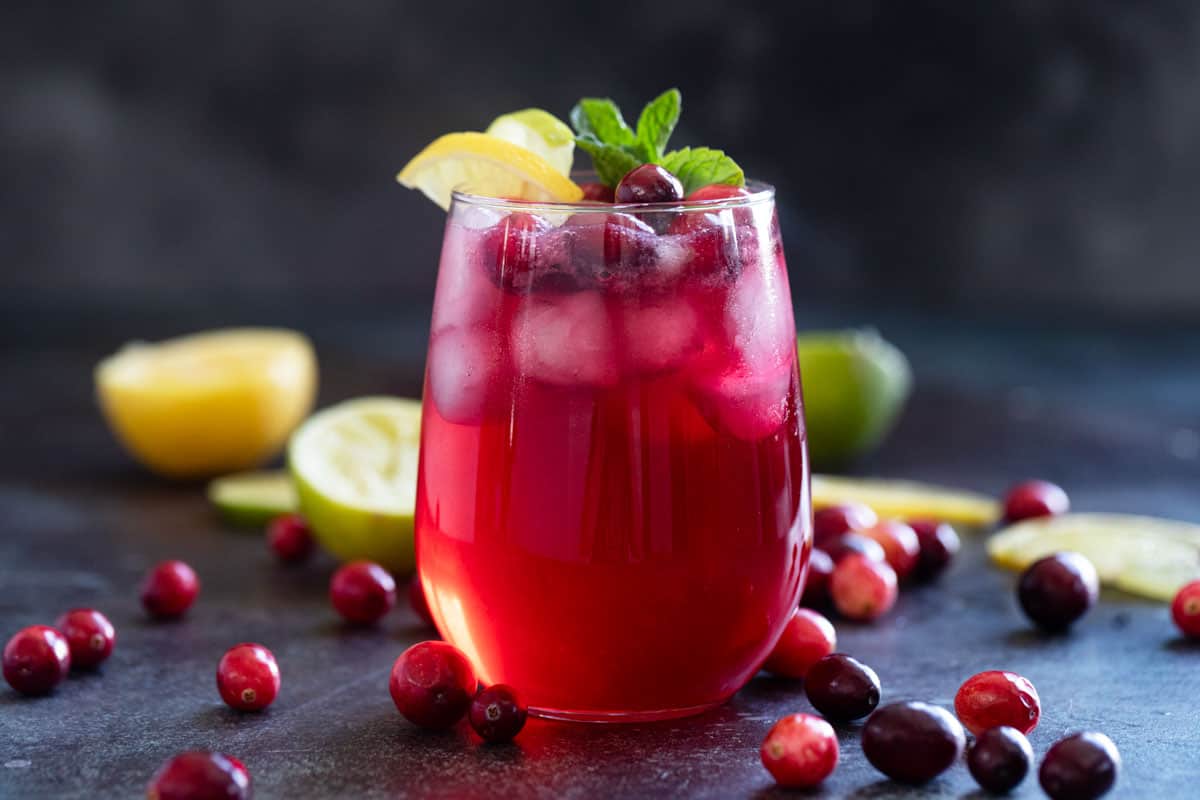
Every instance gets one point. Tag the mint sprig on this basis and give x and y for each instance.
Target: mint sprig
(616, 148)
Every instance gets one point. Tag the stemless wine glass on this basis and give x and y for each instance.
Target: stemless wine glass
(612, 506)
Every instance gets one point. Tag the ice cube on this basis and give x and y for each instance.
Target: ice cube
(748, 404)
(466, 296)
(464, 373)
(660, 335)
(758, 319)
(565, 340)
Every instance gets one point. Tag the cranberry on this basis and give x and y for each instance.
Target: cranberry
(649, 183)
(248, 677)
(836, 520)
(939, 545)
(995, 698)
(497, 714)
(1000, 759)
(900, 546)
(800, 751)
(1057, 590)
(816, 587)
(807, 638)
(36, 659)
(432, 684)
(714, 249)
(200, 775)
(1185, 609)
(289, 538)
(718, 191)
(416, 599)
(1082, 766)
(597, 192)
(89, 634)
(362, 592)
(610, 251)
(510, 248)
(912, 742)
(848, 544)
(1035, 499)
(863, 588)
(842, 688)
(170, 589)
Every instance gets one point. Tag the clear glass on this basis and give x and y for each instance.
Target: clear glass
(613, 505)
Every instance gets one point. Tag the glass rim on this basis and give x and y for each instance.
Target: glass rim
(760, 192)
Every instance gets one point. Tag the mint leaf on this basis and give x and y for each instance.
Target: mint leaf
(610, 161)
(656, 123)
(600, 118)
(701, 166)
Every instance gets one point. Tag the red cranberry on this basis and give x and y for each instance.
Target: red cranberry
(362, 592)
(1186, 609)
(900, 546)
(89, 634)
(289, 538)
(800, 751)
(807, 638)
(1000, 759)
(497, 714)
(416, 599)
(863, 589)
(170, 589)
(718, 191)
(649, 183)
(842, 688)
(995, 698)
(432, 684)
(1083, 766)
(939, 545)
(36, 659)
(912, 742)
(597, 192)
(816, 586)
(200, 775)
(610, 251)
(510, 249)
(848, 544)
(1035, 499)
(1057, 590)
(248, 677)
(836, 520)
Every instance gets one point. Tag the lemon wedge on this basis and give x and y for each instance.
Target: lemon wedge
(907, 499)
(540, 132)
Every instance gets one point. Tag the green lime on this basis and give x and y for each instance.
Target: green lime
(355, 468)
(253, 498)
(539, 131)
(855, 385)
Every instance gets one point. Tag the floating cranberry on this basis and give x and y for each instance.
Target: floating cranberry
(1185, 609)
(1035, 499)
(807, 638)
(1057, 590)
(718, 191)
(649, 183)
(36, 659)
(497, 714)
(596, 192)
(248, 677)
(170, 589)
(510, 248)
(842, 688)
(863, 589)
(846, 544)
(995, 698)
(816, 586)
(416, 599)
(912, 742)
(432, 684)
(1000, 759)
(900, 546)
(800, 751)
(836, 520)
(1082, 766)
(362, 592)
(89, 634)
(939, 545)
(289, 537)
(200, 775)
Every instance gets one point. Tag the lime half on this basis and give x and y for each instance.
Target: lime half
(355, 468)
(253, 498)
(541, 132)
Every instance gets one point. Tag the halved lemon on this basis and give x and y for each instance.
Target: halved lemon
(540, 132)
(253, 498)
(907, 499)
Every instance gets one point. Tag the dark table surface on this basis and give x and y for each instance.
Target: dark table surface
(1113, 417)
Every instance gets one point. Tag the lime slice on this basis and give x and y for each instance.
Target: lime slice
(1146, 556)
(907, 499)
(355, 468)
(855, 385)
(541, 132)
(253, 498)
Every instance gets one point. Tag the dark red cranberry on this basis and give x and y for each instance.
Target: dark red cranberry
(597, 192)
(1035, 499)
(511, 247)
(200, 775)
(610, 251)
(416, 599)
(718, 191)
(432, 685)
(1185, 609)
(842, 688)
(248, 677)
(1082, 766)
(36, 659)
(863, 589)
(649, 183)
(1000, 759)
(170, 589)
(816, 586)
(800, 751)
(362, 592)
(497, 714)
(289, 538)
(848, 544)
(995, 698)
(807, 638)
(89, 634)
(912, 742)
(900, 546)
(833, 521)
(939, 545)
(1057, 590)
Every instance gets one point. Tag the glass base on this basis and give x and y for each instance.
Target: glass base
(656, 715)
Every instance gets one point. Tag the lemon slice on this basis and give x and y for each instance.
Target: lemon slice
(1146, 556)
(907, 499)
(488, 165)
(209, 403)
(355, 468)
(540, 132)
(253, 498)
